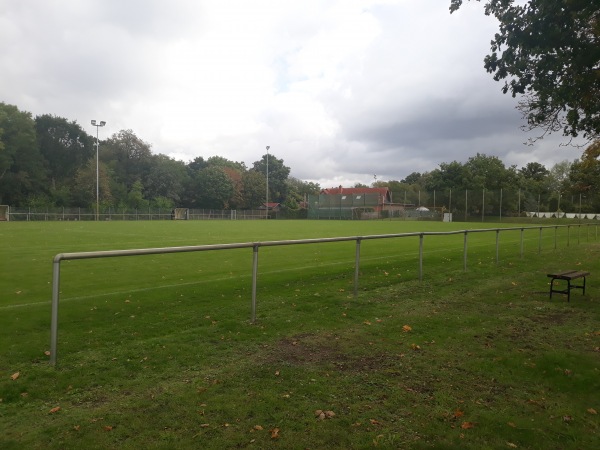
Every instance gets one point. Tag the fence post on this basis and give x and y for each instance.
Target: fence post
(421, 236)
(497, 246)
(54, 318)
(540, 242)
(522, 231)
(254, 277)
(356, 267)
(465, 252)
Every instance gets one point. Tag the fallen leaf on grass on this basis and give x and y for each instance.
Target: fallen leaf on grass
(108, 428)
(205, 425)
(467, 425)
(458, 413)
(592, 411)
(511, 445)
(274, 433)
(258, 428)
(322, 415)
(47, 353)
(15, 375)
(55, 409)
(415, 347)
(567, 419)
(406, 328)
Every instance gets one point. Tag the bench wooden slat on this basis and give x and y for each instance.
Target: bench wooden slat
(569, 275)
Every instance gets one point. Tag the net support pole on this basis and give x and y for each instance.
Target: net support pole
(356, 267)
(254, 278)
(54, 316)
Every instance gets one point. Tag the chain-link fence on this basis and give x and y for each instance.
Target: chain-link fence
(83, 214)
(457, 205)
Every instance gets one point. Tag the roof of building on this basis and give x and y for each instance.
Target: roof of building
(354, 191)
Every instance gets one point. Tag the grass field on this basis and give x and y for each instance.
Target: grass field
(157, 351)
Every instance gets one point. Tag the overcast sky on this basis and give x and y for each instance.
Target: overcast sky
(341, 90)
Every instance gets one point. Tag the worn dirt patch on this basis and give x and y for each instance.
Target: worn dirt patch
(313, 349)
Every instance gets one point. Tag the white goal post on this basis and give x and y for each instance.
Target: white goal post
(4, 213)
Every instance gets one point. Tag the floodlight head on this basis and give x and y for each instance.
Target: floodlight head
(268, 147)
(102, 123)
(94, 122)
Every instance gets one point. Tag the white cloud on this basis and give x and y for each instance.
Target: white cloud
(340, 89)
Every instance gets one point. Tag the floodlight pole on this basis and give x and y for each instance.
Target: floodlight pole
(267, 203)
(97, 125)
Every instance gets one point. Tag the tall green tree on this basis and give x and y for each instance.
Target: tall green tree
(127, 157)
(65, 147)
(22, 171)
(212, 188)
(254, 186)
(83, 191)
(166, 178)
(533, 181)
(547, 52)
(584, 176)
(487, 172)
(278, 175)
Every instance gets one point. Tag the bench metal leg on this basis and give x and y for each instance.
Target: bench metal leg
(568, 290)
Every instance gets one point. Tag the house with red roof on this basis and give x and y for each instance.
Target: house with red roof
(351, 203)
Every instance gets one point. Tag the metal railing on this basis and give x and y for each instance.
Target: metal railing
(256, 245)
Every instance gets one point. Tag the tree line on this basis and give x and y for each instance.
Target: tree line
(49, 161)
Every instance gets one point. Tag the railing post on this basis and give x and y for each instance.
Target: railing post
(522, 231)
(254, 277)
(578, 233)
(540, 242)
(421, 237)
(356, 267)
(497, 246)
(568, 235)
(465, 252)
(54, 316)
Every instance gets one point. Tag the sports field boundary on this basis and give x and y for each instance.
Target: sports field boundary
(256, 245)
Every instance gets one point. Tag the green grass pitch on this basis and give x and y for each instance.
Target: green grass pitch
(158, 351)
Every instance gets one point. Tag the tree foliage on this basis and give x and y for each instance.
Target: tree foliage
(22, 171)
(65, 147)
(278, 175)
(548, 53)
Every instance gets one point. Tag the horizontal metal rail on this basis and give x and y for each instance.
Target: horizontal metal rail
(256, 245)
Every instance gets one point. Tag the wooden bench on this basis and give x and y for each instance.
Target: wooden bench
(568, 276)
